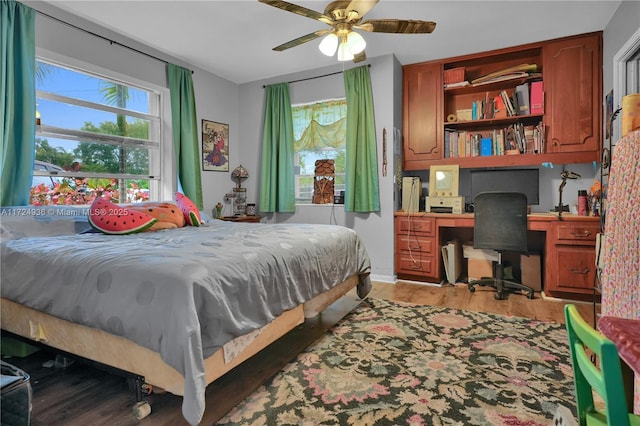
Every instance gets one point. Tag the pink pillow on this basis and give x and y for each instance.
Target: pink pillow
(189, 209)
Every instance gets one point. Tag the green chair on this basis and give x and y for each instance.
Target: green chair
(605, 380)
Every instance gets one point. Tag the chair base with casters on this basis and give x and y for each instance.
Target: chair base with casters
(500, 224)
(503, 287)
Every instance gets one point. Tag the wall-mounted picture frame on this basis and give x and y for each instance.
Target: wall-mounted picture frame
(215, 146)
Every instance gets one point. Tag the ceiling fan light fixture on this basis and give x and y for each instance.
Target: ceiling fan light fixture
(329, 44)
(344, 53)
(355, 43)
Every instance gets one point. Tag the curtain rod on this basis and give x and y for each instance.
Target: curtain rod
(103, 37)
(313, 78)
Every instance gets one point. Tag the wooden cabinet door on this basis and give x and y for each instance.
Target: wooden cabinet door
(576, 269)
(422, 115)
(572, 71)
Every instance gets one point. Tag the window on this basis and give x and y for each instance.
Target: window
(95, 136)
(319, 130)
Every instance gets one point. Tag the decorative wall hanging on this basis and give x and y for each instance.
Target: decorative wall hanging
(215, 146)
(323, 183)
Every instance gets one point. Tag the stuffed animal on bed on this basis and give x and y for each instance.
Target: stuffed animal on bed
(115, 219)
(169, 215)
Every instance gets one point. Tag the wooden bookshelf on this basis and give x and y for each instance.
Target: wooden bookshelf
(571, 71)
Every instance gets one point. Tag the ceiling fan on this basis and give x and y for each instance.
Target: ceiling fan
(345, 16)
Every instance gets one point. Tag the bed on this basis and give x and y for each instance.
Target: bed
(179, 307)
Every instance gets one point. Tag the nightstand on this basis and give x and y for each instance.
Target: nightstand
(242, 218)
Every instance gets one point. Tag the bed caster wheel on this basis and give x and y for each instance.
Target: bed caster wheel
(530, 295)
(141, 410)
(472, 289)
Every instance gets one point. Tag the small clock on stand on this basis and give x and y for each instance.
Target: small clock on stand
(239, 174)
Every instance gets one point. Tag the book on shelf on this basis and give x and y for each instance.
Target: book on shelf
(512, 76)
(486, 147)
(488, 109)
(529, 139)
(539, 138)
(498, 141)
(537, 98)
(508, 102)
(517, 71)
(458, 84)
(499, 108)
(522, 97)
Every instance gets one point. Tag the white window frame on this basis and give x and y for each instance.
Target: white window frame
(625, 76)
(163, 184)
(309, 202)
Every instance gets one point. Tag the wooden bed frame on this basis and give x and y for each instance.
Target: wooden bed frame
(123, 354)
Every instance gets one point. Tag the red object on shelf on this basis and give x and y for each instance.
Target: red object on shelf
(536, 98)
(454, 75)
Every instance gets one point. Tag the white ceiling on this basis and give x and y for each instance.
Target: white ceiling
(234, 39)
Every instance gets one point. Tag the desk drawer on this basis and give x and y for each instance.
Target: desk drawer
(415, 224)
(418, 264)
(576, 268)
(414, 243)
(578, 232)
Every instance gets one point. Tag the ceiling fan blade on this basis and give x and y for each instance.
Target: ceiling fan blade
(300, 40)
(362, 6)
(302, 11)
(359, 57)
(400, 26)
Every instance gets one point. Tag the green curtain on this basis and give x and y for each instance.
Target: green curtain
(277, 182)
(17, 101)
(361, 174)
(185, 132)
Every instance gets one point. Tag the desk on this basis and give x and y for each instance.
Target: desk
(567, 248)
(625, 334)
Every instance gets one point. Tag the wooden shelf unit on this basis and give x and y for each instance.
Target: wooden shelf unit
(571, 71)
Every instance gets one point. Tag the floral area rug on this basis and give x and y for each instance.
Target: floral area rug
(390, 363)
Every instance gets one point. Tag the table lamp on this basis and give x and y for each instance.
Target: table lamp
(565, 175)
(239, 174)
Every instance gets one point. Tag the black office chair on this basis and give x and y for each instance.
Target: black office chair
(500, 224)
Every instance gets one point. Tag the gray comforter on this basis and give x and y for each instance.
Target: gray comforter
(182, 292)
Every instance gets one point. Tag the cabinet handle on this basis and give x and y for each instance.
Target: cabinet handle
(416, 247)
(581, 235)
(414, 266)
(414, 226)
(575, 271)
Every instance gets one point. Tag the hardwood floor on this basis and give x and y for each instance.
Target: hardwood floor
(81, 394)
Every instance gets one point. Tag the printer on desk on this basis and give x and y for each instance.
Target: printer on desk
(443, 190)
(444, 205)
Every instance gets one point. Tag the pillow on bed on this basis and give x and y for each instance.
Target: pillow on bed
(41, 221)
(169, 215)
(189, 209)
(114, 219)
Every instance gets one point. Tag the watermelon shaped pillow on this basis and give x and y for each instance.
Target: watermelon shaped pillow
(189, 209)
(113, 219)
